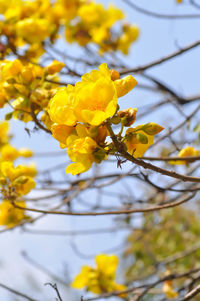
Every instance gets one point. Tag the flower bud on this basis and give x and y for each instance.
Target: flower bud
(152, 128)
(54, 67)
(128, 116)
(25, 152)
(114, 74)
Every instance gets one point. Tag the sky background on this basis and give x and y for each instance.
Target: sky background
(157, 38)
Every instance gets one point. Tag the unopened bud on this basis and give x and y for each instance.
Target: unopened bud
(152, 128)
(114, 74)
(54, 67)
(128, 116)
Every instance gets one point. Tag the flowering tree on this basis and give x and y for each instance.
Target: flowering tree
(73, 97)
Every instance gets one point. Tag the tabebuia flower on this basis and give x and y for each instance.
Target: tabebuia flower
(11, 216)
(101, 278)
(188, 151)
(92, 100)
(19, 179)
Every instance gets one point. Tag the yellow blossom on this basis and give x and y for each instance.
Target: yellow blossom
(125, 85)
(25, 152)
(20, 177)
(8, 153)
(96, 95)
(130, 34)
(168, 290)
(11, 216)
(185, 152)
(61, 108)
(100, 279)
(61, 132)
(80, 150)
(54, 67)
(33, 30)
(4, 127)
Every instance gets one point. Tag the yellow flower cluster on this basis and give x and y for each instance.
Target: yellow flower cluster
(82, 113)
(100, 279)
(31, 23)
(14, 181)
(79, 113)
(188, 151)
(169, 290)
(7, 151)
(11, 216)
(24, 86)
(93, 23)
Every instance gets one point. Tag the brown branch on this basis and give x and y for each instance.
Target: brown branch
(148, 286)
(11, 290)
(116, 212)
(189, 159)
(37, 121)
(161, 60)
(191, 294)
(160, 16)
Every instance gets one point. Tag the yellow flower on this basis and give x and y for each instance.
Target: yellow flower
(10, 69)
(179, 1)
(33, 30)
(125, 85)
(25, 152)
(136, 142)
(61, 132)
(80, 150)
(185, 152)
(168, 290)
(96, 96)
(91, 13)
(4, 128)
(61, 107)
(20, 177)
(23, 185)
(100, 279)
(130, 35)
(11, 216)
(54, 67)
(8, 153)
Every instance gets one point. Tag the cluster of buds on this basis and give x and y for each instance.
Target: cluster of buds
(15, 182)
(26, 88)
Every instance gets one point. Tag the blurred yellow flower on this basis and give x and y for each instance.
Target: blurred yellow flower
(168, 290)
(33, 30)
(11, 216)
(185, 152)
(100, 279)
